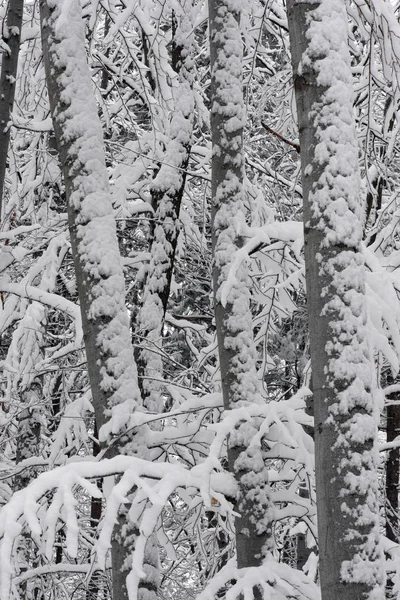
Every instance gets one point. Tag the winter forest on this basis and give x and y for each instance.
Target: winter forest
(199, 300)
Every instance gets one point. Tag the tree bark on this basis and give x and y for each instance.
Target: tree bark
(98, 269)
(392, 467)
(167, 192)
(237, 356)
(392, 473)
(28, 446)
(8, 78)
(351, 564)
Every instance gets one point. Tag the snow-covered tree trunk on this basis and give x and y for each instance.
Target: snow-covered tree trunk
(97, 261)
(28, 440)
(233, 317)
(11, 32)
(94, 242)
(167, 192)
(28, 446)
(345, 421)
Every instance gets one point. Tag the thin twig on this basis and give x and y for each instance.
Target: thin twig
(280, 137)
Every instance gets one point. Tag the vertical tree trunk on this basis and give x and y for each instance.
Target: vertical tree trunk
(392, 467)
(303, 552)
(97, 261)
(12, 37)
(28, 446)
(96, 506)
(392, 473)
(233, 317)
(167, 193)
(351, 565)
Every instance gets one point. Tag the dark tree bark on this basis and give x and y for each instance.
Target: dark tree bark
(392, 473)
(392, 467)
(8, 77)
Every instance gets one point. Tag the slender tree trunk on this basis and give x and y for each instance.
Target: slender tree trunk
(233, 317)
(167, 193)
(94, 243)
(351, 565)
(28, 446)
(28, 440)
(303, 552)
(96, 506)
(12, 37)
(392, 474)
(392, 467)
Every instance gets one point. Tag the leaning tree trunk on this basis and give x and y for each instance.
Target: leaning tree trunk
(351, 565)
(233, 319)
(97, 261)
(11, 32)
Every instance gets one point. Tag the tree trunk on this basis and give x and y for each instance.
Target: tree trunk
(28, 446)
(233, 317)
(351, 564)
(98, 269)
(392, 473)
(392, 482)
(97, 261)
(167, 193)
(12, 37)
